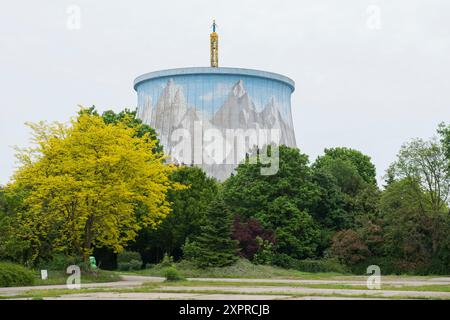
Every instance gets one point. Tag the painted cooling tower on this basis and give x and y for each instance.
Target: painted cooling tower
(192, 103)
(212, 117)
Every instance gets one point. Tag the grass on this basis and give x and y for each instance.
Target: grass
(164, 287)
(58, 277)
(41, 294)
(193, 283)
(242, 269)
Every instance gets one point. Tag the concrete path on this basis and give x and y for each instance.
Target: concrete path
(362, 282)
(245, 292)
(311, 291)
(164, 296)
(126, 282)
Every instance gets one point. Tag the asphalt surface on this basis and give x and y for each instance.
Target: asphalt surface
(252, 291)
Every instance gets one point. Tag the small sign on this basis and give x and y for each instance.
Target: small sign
(44, 274)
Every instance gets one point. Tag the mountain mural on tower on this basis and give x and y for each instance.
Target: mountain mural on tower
(172, 112)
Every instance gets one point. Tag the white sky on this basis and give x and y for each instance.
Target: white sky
(357, 85)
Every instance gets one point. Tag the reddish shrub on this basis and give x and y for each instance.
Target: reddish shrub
(348, 247)
(246, 233)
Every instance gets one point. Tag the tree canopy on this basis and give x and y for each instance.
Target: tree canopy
(83, 181)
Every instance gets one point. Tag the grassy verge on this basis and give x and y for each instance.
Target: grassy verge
(192, 287)
(242, 269)
(59, 277)
(41, 294)
(423, 288)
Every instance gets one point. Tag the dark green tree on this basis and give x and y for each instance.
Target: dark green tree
(360, 162)
(214, 246)
(444, 132)
(12, 247)
(296, 232)
(111, 117)
(281, 202)
(189, 207)
(330, 209)
(415, 236)
(348, 190)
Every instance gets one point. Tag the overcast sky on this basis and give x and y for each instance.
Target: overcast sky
(369, 74)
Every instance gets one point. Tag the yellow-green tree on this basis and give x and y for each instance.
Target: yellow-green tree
(83, 182)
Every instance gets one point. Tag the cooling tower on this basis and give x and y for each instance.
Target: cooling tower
(202, 114)
(212, 117)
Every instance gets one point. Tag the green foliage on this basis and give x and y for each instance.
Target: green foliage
(408, 236)
(87, 185)
(83, 182)
(284, 261)
(189, 208)
(15, 275)
(248, 193)
(129, 260)
(348, 190)
(407, 223)
(167, 261)
(12, 248)
(280, 202)
(365, 169)
(296, 232)
(310, 265)
(128, 117)
(266, 252)
(323, 265)
(214, 246)
(444, 132)
(424, 164)
(348, 247)
(242, 268)
(172, 274)
(59, 262)
(330, 210)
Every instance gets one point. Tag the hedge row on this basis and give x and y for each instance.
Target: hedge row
(13, 275)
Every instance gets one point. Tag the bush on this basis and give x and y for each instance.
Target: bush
(172, 274)
(386, 265)
(392, 266)
(129, 260)
(284, 261)
(349, 247)
(59, 262)
(324, 265)
(14, 275)
(167, 261)
(309, 265)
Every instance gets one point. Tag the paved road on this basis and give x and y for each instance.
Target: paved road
(362, 282)
(246, 292)
(311, 291)
(126, 282)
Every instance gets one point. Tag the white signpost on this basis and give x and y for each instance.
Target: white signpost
(44, 274)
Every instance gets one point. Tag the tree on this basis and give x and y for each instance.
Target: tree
(296, 231)
(84, 181)
(359, 161)
(189, 207)
(12, 248)
(348, 191)
(444, 132)
(129, 118)
(214, 247)
(415, 236)
(281, 202)
(348, 247)
(424, 164)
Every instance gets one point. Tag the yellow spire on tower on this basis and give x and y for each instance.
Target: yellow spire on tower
(214, 41)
